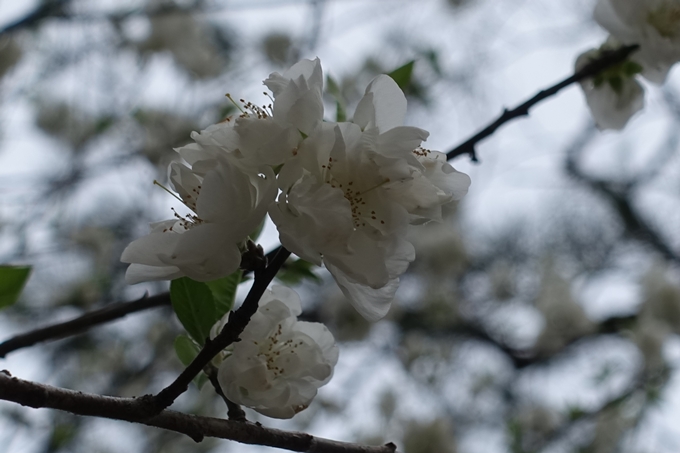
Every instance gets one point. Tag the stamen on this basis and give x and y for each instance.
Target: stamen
(234, 102)
(168, 191)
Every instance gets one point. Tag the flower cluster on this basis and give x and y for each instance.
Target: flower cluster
(343, 196)
(280, 362)
(352, 189)
(654, 25)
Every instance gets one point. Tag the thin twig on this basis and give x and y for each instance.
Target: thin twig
(230, 333)
(607, 60)
(90, 319)
(36, 395)
(45, 10)
(234, 411)
(619, 195)
(64, 329)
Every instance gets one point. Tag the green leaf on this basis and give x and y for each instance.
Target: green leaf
(630, 68)
(12, 281)
(194, 305)
(103, 124)
(616, 83)
(294, 272)
(340, 112)
(224, 293)
(402, 75)
(336, 92)
(598, 80)
(575, 412)
(187, 350)
(200, 380)
(433, 58)
(332, 86)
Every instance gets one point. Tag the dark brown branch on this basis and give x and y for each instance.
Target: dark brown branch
(416, 320)
(35, 395)
(229, 334)
(607, 60)
(234, 411)
(93, 318)
(64, 329)
(47, 9)
(619, 195)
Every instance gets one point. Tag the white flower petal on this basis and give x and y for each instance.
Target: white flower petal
(137, 273)
(279, 363)
(383, 105)
(371, 303)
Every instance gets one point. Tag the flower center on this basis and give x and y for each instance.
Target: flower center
(421, 152)
(355, 197)
(188, 221)
(666, 20)
(273, 347)
(250, 110)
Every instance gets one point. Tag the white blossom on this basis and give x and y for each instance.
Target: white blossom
(270, 134)
(613, 96)
(565, 319)
(653, 24)
(353, 188)
(227, 204)
(658, 318)
(280, 362)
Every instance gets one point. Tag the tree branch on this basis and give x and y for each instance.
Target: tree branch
(234, 411)
(229, 334)
(619, 195)
(48, 8)
(93, 318)
(607, 60)
(108, 313)
(35, 395)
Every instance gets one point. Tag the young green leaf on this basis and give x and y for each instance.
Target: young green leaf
(187, 350)
(334, 90)
(616, 82)
(12, 281)
(294, 272)
(224, 293)
(630, 68)
(194, 305)
(402, 75)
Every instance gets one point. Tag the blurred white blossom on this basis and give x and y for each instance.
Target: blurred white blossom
(658, 318)
(565, 319)
(191, 43)
(280, 362)
(652, 24)
(615, 95)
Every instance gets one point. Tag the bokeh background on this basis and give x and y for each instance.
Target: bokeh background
(541, 316)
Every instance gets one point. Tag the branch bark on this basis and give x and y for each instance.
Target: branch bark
(197, 427)
(620, 196)
(607, 60)
(91, 319)
(64, 329)
(238, 320)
